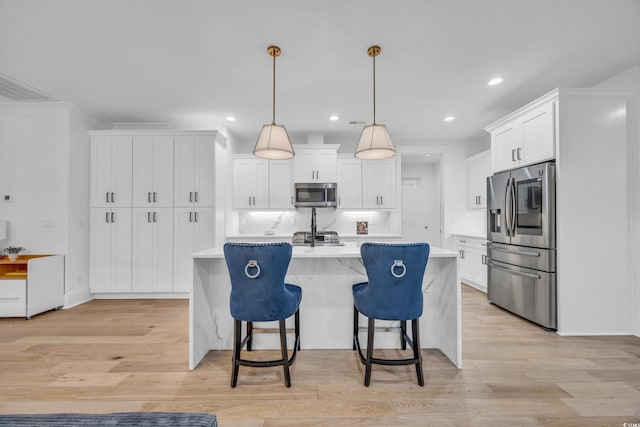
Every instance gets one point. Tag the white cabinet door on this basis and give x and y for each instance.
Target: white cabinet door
(153, 171)
(378, 183)
(250, 183)
(538, 135)
(194, 171)
(349, 183)
(111, 171)
(110, 250)
(480, 264)
(193, 231)
(152, 247)
(478, 169)
(504, 142)
(315, 164)
(280, 186)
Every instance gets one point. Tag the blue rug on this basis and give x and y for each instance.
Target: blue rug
(121, 419)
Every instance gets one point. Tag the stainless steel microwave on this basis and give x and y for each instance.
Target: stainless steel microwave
(315, 195)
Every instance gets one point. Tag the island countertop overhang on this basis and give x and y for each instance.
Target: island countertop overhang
(348, 250)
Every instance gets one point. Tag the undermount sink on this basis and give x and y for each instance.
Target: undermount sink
(323, 238)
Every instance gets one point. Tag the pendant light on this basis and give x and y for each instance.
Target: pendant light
(374, 142)
(273, 142)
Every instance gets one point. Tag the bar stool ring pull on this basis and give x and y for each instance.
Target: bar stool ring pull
(252, 264)
(398, 264)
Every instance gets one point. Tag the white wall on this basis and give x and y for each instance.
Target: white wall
(44, 167)
(630, 80)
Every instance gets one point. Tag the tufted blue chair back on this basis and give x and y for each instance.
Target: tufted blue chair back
(258, 290)
(395, 273)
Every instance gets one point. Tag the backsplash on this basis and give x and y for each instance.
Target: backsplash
(288, 222)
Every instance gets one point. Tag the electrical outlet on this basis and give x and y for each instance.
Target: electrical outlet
(9, 198)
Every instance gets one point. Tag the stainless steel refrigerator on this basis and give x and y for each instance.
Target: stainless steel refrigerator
(521, 248)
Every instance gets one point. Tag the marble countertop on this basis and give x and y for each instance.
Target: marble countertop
(348, 250)
(288, 236)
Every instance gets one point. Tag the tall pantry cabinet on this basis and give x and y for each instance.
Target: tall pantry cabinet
(152, 205)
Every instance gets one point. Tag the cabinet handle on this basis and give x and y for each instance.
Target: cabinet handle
(190, 216)
(254, 200)
(381, 201)
(377, 200)
(518, 151)
(154, 217)
(190, 196)
(113, 200)
(106, 217)
(196, 196)
(291, 200)
(106, 197)
(195, 215)
(148, 216)
(155, 195)
(113, 216)
(149, 197)
(339, 201)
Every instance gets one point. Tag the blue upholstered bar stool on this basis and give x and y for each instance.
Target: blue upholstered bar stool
(259, 294)
(393, 292)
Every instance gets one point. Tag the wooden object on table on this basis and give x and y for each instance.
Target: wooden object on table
(31, 285)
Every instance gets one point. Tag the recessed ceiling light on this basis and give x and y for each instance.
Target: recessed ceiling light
(334, 118)
(495, 81)
(449, 118)
(231, 119)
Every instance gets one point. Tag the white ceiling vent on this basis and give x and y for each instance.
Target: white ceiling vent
(16, 91)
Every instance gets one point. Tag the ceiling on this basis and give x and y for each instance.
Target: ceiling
(194, 62)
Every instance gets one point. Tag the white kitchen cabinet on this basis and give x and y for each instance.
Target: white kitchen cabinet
(153, 171)
(250, 183)
(349, 182)
(472, 261)
(478, 169)
(280, 185)
(194, 230)
(526, 136)
(111, 171)
(152, 250)
(379, 184)
(194, 171)
(315, 163)
(110, 250)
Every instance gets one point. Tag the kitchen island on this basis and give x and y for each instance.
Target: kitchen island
(326, 275)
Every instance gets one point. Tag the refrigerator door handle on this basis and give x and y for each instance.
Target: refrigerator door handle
(510, 251)
(512, 214)
(507, 207)
(516, 272)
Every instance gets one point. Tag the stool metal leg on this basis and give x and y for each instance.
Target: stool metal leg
(403, 332)
(370, 331)
(355, 326)
(250, 335)
(416, 350)
(285, 356)
(237, 334)
(297, 328)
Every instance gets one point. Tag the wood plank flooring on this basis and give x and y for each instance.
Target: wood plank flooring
(131, 355)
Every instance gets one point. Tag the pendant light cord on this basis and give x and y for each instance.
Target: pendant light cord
(374, 89)
(273, 121)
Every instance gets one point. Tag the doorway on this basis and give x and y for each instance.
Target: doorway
(422, 198)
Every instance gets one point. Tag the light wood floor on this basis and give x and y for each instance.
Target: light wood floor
(131, 355)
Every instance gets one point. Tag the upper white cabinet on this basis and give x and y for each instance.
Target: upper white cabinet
(280, 185)
(194, 172)
(315, 163)
(379, 183)
(349, 182)
(153, 171)
(526, 136)
(250, 183)
(111, 171)
(478, 169)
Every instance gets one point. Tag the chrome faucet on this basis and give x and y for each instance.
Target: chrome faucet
(313, 227)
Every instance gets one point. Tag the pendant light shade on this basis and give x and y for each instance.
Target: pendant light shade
(375, 142)
(273, 142)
